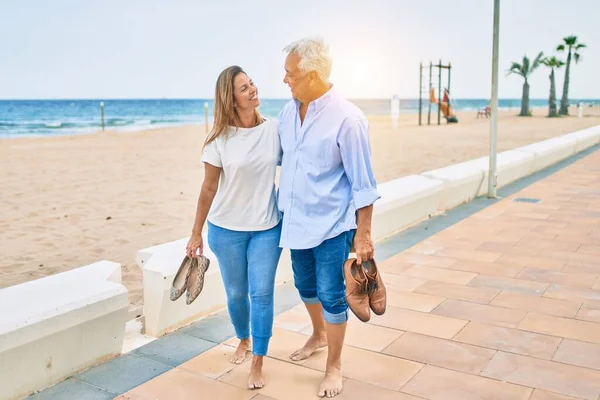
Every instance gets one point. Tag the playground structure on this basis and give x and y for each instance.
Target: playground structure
(428, 92)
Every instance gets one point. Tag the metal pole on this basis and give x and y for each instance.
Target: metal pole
(439, 91)
(206, 117)
(420, 90)
(429, 94)
(102, 114)
(449, 69)
(492, 178)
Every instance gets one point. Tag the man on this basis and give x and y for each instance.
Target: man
(326, 194)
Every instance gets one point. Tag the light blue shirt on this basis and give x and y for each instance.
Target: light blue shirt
(326, 172)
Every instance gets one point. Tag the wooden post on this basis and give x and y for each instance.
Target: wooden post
(102, 114)
(206, 117)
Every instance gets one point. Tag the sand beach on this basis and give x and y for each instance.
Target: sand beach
(69, 201)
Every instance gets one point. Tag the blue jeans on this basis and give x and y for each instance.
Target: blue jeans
(319, 276)
(248, 262)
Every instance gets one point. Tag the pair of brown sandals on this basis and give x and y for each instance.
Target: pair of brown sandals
(365, 291)
(189, 278)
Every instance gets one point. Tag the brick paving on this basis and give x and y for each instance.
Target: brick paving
(504, 304)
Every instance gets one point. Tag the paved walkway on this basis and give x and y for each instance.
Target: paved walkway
(503, 304)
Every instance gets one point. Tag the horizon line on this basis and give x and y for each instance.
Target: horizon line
(264, 98)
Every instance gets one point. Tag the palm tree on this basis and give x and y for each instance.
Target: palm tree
(552, 62)
(570, 43)
(525, 70)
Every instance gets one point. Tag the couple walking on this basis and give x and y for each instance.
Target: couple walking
(322, 208)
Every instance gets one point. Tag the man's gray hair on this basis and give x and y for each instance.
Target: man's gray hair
(314, 56)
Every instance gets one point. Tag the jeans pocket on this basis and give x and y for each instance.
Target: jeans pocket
(350, 240)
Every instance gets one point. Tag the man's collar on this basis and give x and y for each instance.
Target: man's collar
(322, 101)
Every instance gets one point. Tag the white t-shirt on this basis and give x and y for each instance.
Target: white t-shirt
(246, 198)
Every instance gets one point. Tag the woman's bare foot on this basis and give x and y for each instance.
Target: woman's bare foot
(256, 380)
(240, 354)
(316, 341)
(331, 385)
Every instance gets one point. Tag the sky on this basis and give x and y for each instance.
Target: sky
(97, 49)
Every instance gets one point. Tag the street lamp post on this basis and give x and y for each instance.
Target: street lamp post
(492, 178)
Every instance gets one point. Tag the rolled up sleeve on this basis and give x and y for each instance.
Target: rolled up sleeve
(355, 150)
(211, 155)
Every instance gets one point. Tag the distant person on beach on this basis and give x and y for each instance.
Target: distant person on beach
(326, 193)
(238, 198)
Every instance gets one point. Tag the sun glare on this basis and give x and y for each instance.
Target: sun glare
(358, 76)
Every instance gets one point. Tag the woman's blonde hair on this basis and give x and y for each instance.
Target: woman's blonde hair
(225, 113)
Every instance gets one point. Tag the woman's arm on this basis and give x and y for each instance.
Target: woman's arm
(207, 195)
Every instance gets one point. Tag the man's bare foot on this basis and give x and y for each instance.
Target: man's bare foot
(316, 341)
(240, 354)
(256, 380)
(331, 385)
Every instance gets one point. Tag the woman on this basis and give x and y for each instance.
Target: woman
(241, 155)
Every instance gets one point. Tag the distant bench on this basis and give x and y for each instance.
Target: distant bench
(56, 326)
(404, 202)
(484, 112)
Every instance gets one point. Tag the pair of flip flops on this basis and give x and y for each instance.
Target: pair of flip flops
(189, 278)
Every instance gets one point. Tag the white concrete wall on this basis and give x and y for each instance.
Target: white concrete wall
(404, 202)
(550, 151)
(467, 180)
(55, 326)
(461, 183)
(585, 138)
(511, 166)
